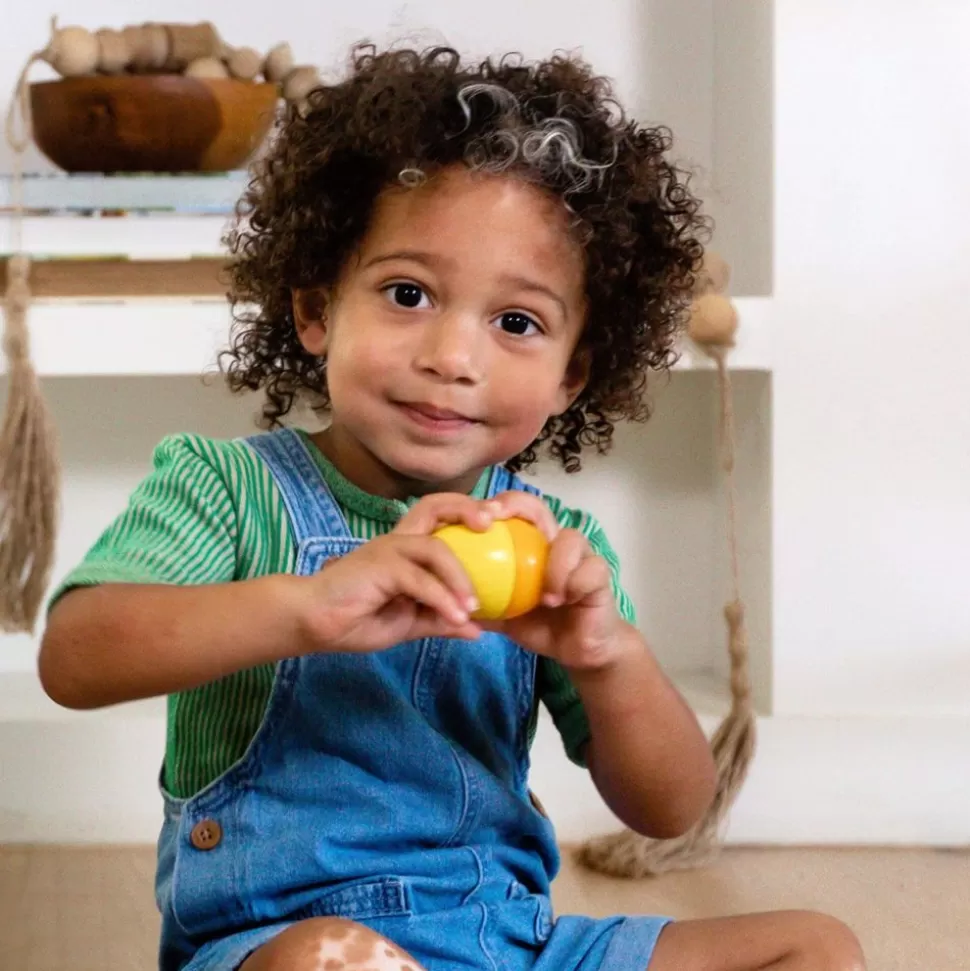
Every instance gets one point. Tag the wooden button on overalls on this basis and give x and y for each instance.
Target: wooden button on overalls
(206, 835)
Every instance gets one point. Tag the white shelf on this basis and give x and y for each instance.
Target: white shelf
(184, 337)
(127, 337)
(150, 237)
(59, 192)
(161, 217)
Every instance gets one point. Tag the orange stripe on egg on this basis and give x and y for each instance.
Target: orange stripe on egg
(531, 554)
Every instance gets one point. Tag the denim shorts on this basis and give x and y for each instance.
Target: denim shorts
(574, 944)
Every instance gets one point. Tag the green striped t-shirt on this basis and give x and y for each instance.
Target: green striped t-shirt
(210, 512)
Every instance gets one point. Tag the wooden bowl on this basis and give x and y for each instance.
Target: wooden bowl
(151, 123)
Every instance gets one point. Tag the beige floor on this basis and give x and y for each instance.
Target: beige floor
(92, 909)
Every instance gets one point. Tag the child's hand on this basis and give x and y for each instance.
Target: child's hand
(577, 622)
(399, 587)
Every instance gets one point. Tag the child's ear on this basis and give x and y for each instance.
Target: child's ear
(575, 378)
(310, 317)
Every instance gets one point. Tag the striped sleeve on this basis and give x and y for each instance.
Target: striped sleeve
(180, 525)
(553, 685)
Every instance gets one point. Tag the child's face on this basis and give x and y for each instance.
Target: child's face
(451, 335)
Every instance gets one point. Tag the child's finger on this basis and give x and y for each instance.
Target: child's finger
(566, 552)
(434, 558)
(431, 624)
(591, 577)
(524, 505)
(444, 508)
(416, 582)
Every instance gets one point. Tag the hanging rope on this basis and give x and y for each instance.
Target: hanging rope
(29, 467)
(628, 854)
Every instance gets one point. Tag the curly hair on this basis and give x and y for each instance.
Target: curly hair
(402, 115)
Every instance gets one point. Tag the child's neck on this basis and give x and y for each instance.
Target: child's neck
(362, 468)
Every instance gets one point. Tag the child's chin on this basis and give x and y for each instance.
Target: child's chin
(433, 469)
(431, 473)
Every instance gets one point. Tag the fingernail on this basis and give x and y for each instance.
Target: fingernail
(551, 600)
(471, 605)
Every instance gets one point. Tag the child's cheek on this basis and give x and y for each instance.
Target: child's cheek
(520, 430)
(351, 370)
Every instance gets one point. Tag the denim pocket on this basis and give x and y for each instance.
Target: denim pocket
(385, 897)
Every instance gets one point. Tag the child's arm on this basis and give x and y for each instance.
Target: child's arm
(118, 642)
(647, 754)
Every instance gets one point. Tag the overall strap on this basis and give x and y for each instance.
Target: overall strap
(504, 481)
(312, 509)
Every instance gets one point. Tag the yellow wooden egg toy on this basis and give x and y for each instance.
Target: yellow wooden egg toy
(506, 564)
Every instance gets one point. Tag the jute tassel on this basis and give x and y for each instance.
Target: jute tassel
(29, 468)
(627, 854)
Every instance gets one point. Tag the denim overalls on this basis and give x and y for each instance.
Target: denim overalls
(388, 788)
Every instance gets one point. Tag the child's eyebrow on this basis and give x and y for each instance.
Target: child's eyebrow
(430, 260)
(533, 286)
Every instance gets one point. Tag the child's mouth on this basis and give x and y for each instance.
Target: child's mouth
(435, 419)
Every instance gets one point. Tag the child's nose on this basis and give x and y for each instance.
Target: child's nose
(451, 349)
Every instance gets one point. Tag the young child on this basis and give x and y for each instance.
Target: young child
(458, 264)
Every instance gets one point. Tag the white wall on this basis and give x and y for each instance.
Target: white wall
(872, 414)
(742, 157)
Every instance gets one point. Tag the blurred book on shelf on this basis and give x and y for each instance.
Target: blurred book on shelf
(60, 194)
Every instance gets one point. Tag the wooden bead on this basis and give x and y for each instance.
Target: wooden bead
(73, 52)
(207, 67)
(299, 83)
(245, 63)
(713, 321)
(148, 46)
(188, 43)
(279, 63)
(113, 53)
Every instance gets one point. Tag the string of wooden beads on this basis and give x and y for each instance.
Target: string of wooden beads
(194, 50)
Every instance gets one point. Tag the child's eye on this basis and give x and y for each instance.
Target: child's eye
(407, 295)
(518, 324)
